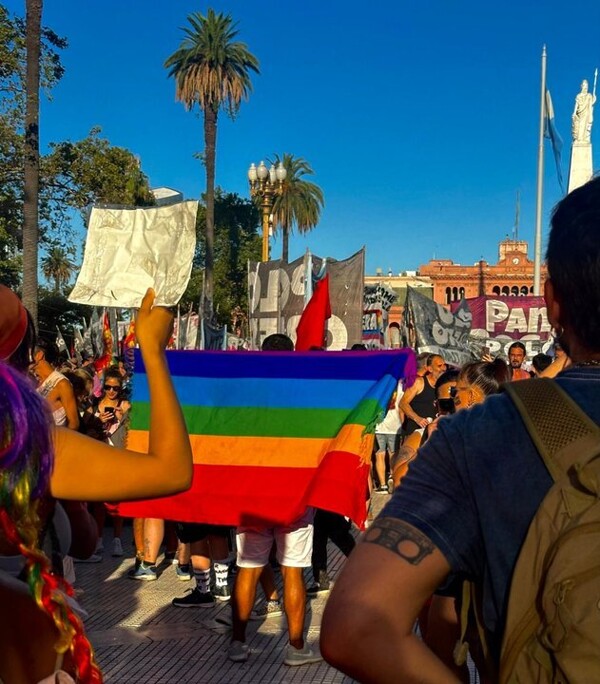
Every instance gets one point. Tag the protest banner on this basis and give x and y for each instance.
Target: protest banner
(276, 293)
(377, 301)
(499, 321)
(437, 330)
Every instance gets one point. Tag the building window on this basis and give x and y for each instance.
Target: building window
(461, 292)
(454, 294)
(496, 291)
(524, 291)
(531, 290)
(448, 295)
(514, 291)
(505, 291)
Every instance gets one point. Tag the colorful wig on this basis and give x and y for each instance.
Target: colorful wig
(26, 460)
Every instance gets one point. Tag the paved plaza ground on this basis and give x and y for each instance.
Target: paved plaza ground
(140, 637)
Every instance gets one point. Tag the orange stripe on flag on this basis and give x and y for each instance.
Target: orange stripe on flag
(268, 452)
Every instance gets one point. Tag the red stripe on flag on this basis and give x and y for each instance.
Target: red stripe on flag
(262, 496)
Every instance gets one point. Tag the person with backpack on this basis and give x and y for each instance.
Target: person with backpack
(504, 497)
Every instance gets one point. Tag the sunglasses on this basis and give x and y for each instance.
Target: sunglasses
(456, 389)
(114, 388)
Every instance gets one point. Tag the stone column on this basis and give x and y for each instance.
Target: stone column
(580, 169)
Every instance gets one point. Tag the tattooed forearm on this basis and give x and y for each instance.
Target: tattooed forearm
(401, 538)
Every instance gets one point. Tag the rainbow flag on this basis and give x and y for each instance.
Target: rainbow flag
(272, 432)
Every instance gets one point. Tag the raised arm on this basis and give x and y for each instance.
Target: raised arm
(367, 627)
(90, 470)
(555, 367)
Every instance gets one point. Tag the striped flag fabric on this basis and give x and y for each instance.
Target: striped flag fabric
(272, 432)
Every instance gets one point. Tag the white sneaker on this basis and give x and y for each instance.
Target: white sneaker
(301, 656)
(269, 609)
(117, 548)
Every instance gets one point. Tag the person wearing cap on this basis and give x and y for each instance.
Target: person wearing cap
(165, 469)
(16, 330)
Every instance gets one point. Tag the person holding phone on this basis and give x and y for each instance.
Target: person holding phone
(111, 408)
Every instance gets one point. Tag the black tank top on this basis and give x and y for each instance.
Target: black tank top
(423, 405)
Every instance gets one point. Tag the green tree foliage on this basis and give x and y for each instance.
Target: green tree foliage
(58, 266)
(300, 203)
(73, 175)
(92, 171)
(211, 69)
(237, 241)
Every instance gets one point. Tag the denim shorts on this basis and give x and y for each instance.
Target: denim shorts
(388, 442)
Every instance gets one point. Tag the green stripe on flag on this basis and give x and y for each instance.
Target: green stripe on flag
(244, 421)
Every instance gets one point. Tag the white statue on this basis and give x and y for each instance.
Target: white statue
(583, 114)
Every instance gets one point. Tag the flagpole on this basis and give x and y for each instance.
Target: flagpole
(537, 259)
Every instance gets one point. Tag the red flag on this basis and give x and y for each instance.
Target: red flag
(311, 328)
(107, 340)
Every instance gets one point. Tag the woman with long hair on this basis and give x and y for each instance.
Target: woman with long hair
(37, 458)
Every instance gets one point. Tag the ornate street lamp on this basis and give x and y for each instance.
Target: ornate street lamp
(266, 184)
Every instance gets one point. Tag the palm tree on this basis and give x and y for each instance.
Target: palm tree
(300, 201)
(211, 69)
(57, 266)
(33, 28)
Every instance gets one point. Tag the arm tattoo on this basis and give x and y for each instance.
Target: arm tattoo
(401, 538)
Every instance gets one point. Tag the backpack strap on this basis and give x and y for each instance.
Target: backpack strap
(564, 435)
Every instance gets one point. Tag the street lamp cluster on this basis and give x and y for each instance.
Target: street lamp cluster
(266, 184)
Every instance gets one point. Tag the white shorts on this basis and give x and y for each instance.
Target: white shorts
(294, 543)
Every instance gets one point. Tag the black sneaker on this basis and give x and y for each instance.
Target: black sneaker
(221, 593)
(194, 599)
(322, 586)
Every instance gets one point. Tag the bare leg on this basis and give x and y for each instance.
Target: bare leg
(267, 582)
(170, 537)
(242, 601)
(200, 555)
(380, 467)
(99, 512)
(138, 537)
(405, 455)
(218, 547)
(183, 553)
(117, 526)
(294, 603)
(154, 530)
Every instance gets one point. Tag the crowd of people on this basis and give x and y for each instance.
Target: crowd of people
(465, 459)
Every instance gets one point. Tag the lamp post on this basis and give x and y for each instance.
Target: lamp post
(266, 184)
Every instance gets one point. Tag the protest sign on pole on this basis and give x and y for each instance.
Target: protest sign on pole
(438, 330)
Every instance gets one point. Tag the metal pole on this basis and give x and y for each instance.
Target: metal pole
(266, 210)
(537, 261)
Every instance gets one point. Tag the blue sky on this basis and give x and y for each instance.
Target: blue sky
(420, 119)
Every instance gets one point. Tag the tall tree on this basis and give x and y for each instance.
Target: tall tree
(33, 29)
(211, 69)
(58, 266)
(237, 241)
(300, 201)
